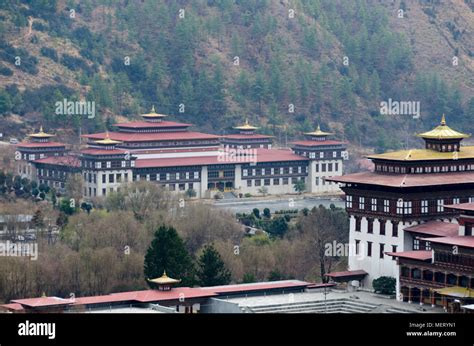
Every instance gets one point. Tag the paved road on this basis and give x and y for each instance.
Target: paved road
(245, 206)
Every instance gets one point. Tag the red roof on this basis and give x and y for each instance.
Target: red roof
(257, 286)
(459, 240)
(66, 160)
(436, 228)
(147, 137)
(13, 306)
(92, 151)
(262, 155)
(43, 301)
(40, 145)
(147, 296)
(347, 273)
(145, 124)
(461, 206)
(406, 180)
(421, 255)
(249, 136)
(317, 143)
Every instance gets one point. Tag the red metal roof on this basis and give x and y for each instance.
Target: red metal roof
(262, 155)
(465, 241)
(177, 150)
(436, 228)
(145, 124)
(249, 136)
(309, 143)
(257, 286)
(461, 206)
(66, 160)
(347, 273)
(13, 306)
(405, 180)
(421, 255)
(43, 301)
(92, 151)
(147, 137)
(40, 145)
(148, 296)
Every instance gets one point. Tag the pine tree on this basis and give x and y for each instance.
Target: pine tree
(167, 252)
(211, 269)
(37, 219)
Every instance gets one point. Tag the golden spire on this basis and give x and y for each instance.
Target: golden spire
(443, 131)
(40, 134)
(246, 126)
(164, 280)
(153, 114)
(443, 120)
(318, 132)
(107, 140)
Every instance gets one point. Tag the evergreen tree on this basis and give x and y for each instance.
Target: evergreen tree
(211, 269)
(38, 220)
(167, 252)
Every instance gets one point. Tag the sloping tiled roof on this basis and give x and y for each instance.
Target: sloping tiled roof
(156, 136)
(406, 180)
(421, 255)
(465, 241)
(436, 228)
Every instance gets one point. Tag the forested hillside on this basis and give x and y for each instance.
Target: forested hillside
(286, 65)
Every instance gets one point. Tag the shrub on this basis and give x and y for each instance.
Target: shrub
(49, 53)
(384, 285)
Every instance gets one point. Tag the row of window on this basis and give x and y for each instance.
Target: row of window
(369, 249)
(53, 173)
(322, 154)
(423, 169)
(92, 192)
(449, 257)
(167, 176)
(274, 171)
(322, 181)
(275, 181)
(402, 207)
(108, 164)
(52, 183)
(450, 279)
(327, 167)
(370, 226)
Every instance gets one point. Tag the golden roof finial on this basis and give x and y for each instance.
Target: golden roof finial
(40, 134)
(153, 114)
(246, 126)
(318, 132)
(107, 139)
(443, 131)
(443, 120)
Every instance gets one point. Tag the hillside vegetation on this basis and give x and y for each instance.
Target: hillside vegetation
(285, 65)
